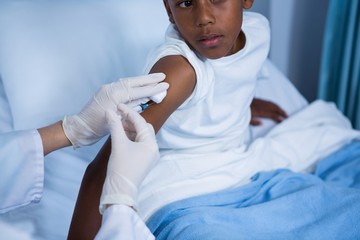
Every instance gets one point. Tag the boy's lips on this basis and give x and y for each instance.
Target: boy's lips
(210, 40)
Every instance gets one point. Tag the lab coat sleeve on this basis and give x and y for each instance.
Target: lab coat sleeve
(122, 222)
(9, 231)
(22, 169)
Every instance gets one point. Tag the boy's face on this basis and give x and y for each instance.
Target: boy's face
(211, 27)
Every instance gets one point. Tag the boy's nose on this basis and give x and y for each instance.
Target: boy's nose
(204, 14)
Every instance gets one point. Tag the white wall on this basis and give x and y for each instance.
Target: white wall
(297, 35)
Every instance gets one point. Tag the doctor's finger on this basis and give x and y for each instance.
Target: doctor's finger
(115, 127)
(137, 102)
(144, 80)
(148, 91)
(144, 131)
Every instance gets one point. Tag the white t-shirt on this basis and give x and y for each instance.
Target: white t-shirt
(209, 129)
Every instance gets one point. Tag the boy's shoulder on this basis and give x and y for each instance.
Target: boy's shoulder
(255, 19)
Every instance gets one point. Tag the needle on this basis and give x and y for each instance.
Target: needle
(140, 108)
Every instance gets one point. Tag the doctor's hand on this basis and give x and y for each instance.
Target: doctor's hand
(131, 158)
(265, 109)
(89, 126)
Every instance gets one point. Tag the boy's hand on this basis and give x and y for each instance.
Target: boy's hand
(265, 109)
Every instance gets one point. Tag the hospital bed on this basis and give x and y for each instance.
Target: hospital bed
(54, 55)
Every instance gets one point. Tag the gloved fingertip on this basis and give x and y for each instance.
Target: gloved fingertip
(163, 85)
(137, 109)
(108, 115)
(122, 108)
(159, 76)
(137, 102)
(111, 116)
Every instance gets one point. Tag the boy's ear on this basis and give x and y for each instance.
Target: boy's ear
(168, 10)
(247, 3)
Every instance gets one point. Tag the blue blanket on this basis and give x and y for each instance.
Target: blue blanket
(276, 205)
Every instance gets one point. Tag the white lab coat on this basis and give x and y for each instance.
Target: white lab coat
(22, 181)
(22, 174)
(122, 222)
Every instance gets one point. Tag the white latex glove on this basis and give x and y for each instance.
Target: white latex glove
(130, 159)
(89, 126)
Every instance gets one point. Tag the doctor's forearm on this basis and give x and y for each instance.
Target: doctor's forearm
(53, 137)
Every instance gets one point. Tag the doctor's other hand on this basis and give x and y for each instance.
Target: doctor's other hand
(89, 126)
(265, 109)
(131, 158)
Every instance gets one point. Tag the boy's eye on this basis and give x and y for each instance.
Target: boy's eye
(185, 4)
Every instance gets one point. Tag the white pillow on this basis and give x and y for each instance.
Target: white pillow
(55, 54)
(5, 113)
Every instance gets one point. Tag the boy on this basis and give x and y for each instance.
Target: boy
(213, 29)
(212, 56)
(217, 60)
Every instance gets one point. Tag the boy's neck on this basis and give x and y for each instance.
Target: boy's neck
(240, 42)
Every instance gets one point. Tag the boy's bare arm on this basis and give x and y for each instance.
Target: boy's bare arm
(181, 78)
(86, 219)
